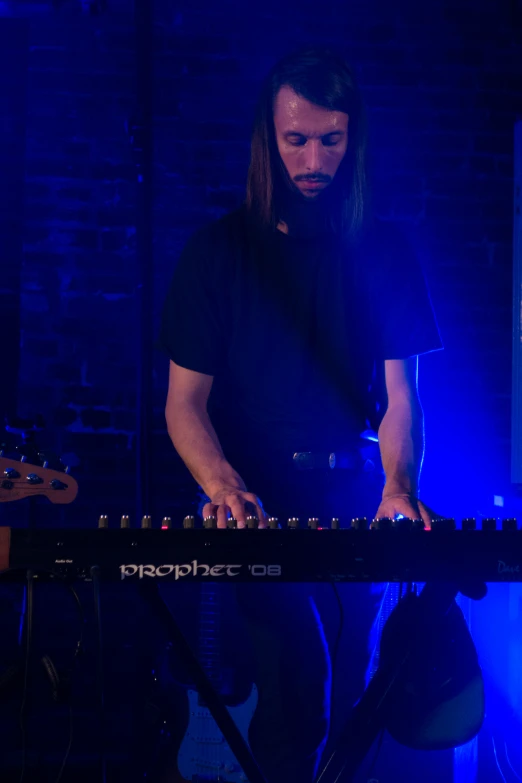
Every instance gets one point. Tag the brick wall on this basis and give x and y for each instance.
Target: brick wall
(13, 70)
(78, 277)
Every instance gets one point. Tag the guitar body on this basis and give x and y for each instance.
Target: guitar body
(189, 745)
(204, 754)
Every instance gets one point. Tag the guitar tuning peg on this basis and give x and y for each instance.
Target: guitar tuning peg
(28, 452)
(49, 459)
(7, 445)
(69, 460)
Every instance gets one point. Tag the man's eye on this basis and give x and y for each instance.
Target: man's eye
(297, 141)
(330, 142)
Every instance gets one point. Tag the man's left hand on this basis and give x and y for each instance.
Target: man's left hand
(407, 506)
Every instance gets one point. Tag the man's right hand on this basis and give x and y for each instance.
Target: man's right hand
(228, 501)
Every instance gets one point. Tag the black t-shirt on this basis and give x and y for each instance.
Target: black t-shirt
(294, 330)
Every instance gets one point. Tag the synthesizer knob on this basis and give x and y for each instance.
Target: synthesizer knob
(489, 523)
(166, 523)
(313, 523)
(443, 524)
(232, 522)
(384, 523)
(402, 524)
(252, 522)
(210, 522)
(293, 523)
(509, 524)
(273, 523)
(103, 521)
(334, 524)
(360, 523)
(125, 521)
(469, 523)
(189, 522)
(146, 521)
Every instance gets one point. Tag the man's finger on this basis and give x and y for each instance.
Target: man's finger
(426, 515)
(410, 512)
(258, 506)
(222, 516)
(209, 510)
(237, 508)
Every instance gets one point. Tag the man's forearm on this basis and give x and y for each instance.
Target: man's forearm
(196, 442)
(401, 441)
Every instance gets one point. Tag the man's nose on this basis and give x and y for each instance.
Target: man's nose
(314, 155)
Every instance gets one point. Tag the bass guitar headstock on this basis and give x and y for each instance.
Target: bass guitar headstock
(20, 479)
(25, 471)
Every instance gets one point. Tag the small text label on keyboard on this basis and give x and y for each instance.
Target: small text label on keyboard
(195, 569)
(504, 568)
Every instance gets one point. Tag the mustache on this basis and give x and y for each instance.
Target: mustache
(312, 178)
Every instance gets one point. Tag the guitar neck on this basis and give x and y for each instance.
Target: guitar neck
(210, 633)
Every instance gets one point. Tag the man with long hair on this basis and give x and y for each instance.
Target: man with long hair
(293, 327)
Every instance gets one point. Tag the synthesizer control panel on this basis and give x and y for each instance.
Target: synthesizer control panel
(381, 550)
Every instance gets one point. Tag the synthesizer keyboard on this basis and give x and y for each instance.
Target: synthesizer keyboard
(269, 555)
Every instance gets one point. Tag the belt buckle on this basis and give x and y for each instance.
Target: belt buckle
(308, 460)
(304, 460)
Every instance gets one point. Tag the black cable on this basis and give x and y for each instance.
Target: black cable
(69, 745)
(77, 651)
(100, 690)
(29, 612)
(335, 648)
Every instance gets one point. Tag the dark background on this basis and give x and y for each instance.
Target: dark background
(85, 254)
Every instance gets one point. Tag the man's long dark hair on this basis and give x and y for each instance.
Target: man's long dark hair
(325, 79)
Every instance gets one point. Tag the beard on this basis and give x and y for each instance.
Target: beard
(307, 215)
